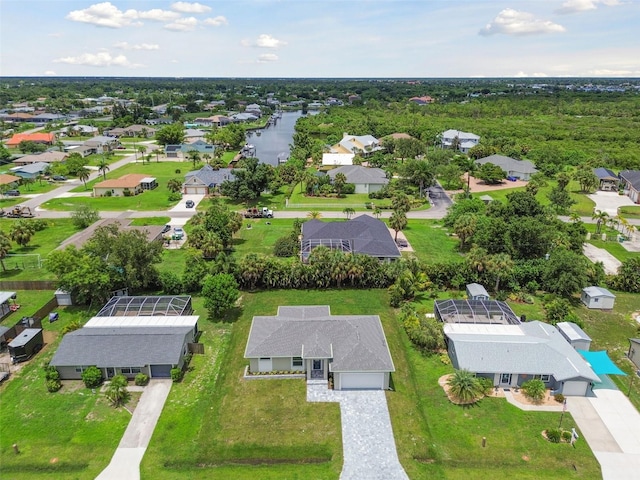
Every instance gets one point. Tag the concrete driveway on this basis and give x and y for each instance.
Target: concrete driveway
(125, 463)
(611, 426)
(368, 445)
(182, 204)
(595, 254)
(609, 202)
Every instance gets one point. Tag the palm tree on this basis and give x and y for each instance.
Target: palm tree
(314, 215)
(465, 387)
(117, 392)
(601, 218)
(477, 259)
(174, 185)
(194, 156)
(499, 264)
(103, 167)
(83, 175)
(21, 232)
(207, 158)
(377, 212)
(349, 212)
(398, 222)
(401, 203)
(5, 248)
(338, 182)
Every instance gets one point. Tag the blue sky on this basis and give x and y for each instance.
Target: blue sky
(320, 38)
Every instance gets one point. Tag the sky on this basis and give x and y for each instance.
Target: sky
(321, 38)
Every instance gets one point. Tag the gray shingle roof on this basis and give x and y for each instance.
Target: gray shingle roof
(356, 343)
(604, 174)
(121, 347)
(509, 164)
(631, 176)
(532, 348)
(367, 235)
(361, 175)
(210, 177)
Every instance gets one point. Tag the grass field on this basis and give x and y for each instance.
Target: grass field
(630, 212)
(431, 242)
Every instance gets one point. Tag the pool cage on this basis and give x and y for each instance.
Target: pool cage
(142, 306)
(475, 311)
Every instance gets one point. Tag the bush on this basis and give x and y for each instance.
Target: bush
(92, 377)
(566, 435)
(53, 385)
(171, 283)
(176, 374)
(71, 326)
(444, 358)
(534, 389)
(554, 435)
(487, 384)
(50, 373)
(39, 225)
(287, 246)
(175, 196)
(141, 379)
(558, 397)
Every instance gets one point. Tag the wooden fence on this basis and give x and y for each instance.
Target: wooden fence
(197, 348)
(12, 285)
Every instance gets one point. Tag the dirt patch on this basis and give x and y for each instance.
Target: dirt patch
(547, 401)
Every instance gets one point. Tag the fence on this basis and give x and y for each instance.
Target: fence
(22, 261)
(197, 348)
(11, 285)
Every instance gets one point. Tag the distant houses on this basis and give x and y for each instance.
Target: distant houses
(363, 145)
(520, 169)
(366, 180)
(125, 186)
(462, 141)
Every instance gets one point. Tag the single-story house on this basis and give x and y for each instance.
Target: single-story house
(43, 118)
(32, 170)
(576, 337)
(79, 129)
(102, 143)
(126, 185)
(182, 150)
(243, 117)
(363, 235)
(206, 180)
(351, 348)
(6, 179)
(46, 157)
(465, 140)
(359, 144)
(144, 131)
(254, 109)
(82, 150)
(475, 291)
(38, 137)
(630, 180)
(214, 120)
(608, 181)
(365, 179)
(131, 335)
(512, 354)
(337, 159)
(522, 169)
(634, 351)
(597, 297)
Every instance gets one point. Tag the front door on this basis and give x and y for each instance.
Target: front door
(505, 379)
(111, 372)
(317, 370)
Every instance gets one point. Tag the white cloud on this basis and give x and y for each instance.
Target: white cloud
(576, 6)
(267, 57)
(50, 73)
(100, 59)
(613, 73)
(513, 22)
(186, 7)
(521, 74)
(138, 46)
(216, 21)
(106, 14)
(186, 24)
(263, 41)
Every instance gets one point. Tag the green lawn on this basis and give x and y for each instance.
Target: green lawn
(630, 212)
(261, 237)
(614, 248)
(146, 221)
(431, 242)
(30, 302)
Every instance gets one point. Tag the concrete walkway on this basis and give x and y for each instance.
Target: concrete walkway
(125, 463)
(611, 426)
(367, 437)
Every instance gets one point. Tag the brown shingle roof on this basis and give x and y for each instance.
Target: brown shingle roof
(130, 180)
(8, 179)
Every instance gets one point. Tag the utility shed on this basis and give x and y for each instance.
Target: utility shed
(574, 335)
(475, 291)
(634, 351)
(597, 298)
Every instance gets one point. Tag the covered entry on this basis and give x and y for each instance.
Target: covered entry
(361, 381)
(161, 371)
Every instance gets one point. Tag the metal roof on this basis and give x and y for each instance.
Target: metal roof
(5, 296)
(572, 331)
(145, 321)
(598, 292)
(24, 337)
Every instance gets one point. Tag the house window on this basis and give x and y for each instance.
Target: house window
(595, 300)
(81, 369)
(296, 362)
(544, 378)
(130, 370)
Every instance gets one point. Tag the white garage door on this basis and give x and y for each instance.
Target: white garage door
(574, 388)
(195, 190)
(361, 380)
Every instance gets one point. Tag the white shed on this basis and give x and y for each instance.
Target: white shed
(63, 298)
(475, 291)
(597, 297)
(574, 335)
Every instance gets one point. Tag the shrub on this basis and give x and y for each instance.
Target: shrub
(39, 225)
(486, 384)
(117, 392)
(53, 385)
(566, 435)
(558, 397)
(444, 358)
(554, 435)
(92, 377)
(534, 389)
(50, 373)
(71, 326)
(176, 374)
(175, 196)
(171, 283)
(178, 171)
(141, 379)
(287, 246)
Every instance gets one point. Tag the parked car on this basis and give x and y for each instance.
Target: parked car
(190, 204)
(178, 233)
(13, 193)
(59, 178)
(166, 228)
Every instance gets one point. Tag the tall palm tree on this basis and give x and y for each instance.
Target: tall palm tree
(207, 158)
(499, 264)
(83, 175)
(5, 248)
(194, 156)
(339, 182)
(601, 218)
(349, 212)
(103, 167)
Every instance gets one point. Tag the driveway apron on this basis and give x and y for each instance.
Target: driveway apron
(125, 463)
(367, 436)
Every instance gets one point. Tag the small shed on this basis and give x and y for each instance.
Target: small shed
(634, 351)
(574, 335)
(63, 298)
(597, 297)
(475, 291)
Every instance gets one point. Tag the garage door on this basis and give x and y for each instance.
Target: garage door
(361, 380)
(195, 190)
(574, 388)
(160, 371)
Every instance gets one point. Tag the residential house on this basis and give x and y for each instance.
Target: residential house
(38, 137)
(520, 169)
(243, 117)
(475, 291)
(31, 171)
(337, 159)
(365, 179)
(424, 100)
(364, 145)
(512, 354)
(159, 121)
(182, 151)
(465, 141)
(206, 180)
(125, 186)
(17, 117)
(192, 135)
(597, 298)
(79, 130)
(214, 120)
(44, 118)
(130, 335)
(82, 150)
(630, 181)
(608, 181)
(11, 181)
(102, 143)
(351, 348)
(44, 157)
(363, 235)
(253, 109)
(144, 131)
(634, 351)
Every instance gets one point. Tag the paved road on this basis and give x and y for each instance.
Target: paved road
(125, 463)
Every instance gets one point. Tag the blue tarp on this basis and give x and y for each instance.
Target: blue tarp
(600, 363)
